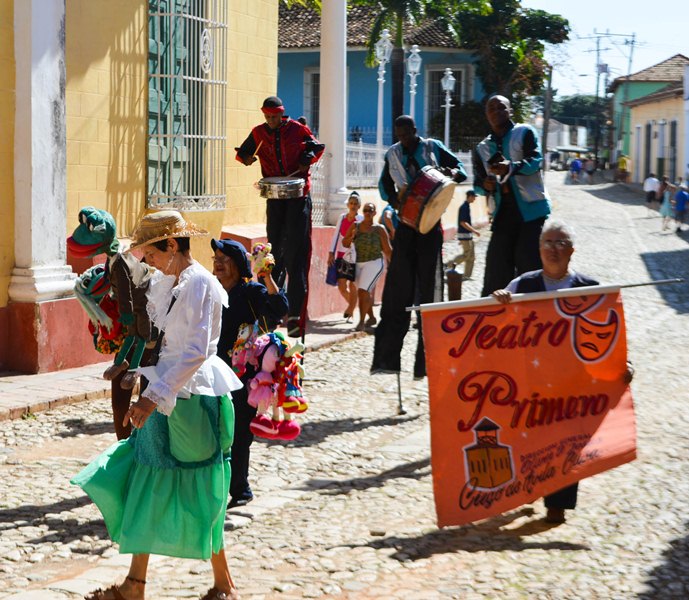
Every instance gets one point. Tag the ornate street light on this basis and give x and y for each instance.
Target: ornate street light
(413, 69)
(383, 48)
(448, 84)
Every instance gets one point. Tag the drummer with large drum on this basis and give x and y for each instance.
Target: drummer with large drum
(286, 149)
(418, 181)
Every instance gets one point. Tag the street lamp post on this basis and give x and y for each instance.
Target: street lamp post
(413, 69)
(448, 84)
(383, 48)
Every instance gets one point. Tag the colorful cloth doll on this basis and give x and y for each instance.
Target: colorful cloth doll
(275, 390)
(129, 279)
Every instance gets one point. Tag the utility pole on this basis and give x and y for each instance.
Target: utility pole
(597, 36)
(625, 97)
(546, 113)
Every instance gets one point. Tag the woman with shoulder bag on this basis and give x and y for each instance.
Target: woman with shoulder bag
(372, 243)
(346, 287)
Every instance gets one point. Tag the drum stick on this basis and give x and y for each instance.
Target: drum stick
(257, 149)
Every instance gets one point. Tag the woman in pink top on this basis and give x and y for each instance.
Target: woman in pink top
(346, 288)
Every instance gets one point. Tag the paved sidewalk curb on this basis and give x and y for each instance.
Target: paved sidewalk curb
(24, 395)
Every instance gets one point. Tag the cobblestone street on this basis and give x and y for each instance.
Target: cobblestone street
(347, 512)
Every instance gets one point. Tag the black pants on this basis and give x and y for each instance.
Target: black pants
(513, 250)
(566, 498)
(241, 445)
(288, 225)
(414, 265)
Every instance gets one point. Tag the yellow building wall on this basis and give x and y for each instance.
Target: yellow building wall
(252, 76)
(670, 109)
(6, 147)
(106, 58)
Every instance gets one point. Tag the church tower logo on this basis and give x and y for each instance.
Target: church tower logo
(489, 463)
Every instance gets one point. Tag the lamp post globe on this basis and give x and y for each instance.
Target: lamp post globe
(413, 69)
(383, 51)
(448, 84)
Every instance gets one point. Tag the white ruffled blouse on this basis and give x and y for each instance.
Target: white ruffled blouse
(188, 363)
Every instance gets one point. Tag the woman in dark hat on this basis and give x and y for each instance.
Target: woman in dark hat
(163, 490)
(249, 302)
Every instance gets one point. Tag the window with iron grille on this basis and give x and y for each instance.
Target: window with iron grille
(312, 97)
(187, 84)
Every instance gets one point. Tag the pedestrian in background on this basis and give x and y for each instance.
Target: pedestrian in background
(347, 288)
(371, 242)
(507, 164)
(575, 169)
(650, 187)
(249, 302)
(465, 233)
(681, 200)
(664, 196)
(164, 490)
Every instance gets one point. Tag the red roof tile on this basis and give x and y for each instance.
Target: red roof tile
(300, 27)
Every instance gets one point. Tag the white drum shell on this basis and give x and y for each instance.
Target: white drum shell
(281, 187)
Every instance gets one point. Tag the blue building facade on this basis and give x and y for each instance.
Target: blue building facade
(299, 73)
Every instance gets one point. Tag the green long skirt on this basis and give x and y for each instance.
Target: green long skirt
(164, 489)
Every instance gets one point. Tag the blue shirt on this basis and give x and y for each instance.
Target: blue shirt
(681, 199)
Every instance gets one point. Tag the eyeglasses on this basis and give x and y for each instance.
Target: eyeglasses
(223, 258)
(553, 244)
(369, 210)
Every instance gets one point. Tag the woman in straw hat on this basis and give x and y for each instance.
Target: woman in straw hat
(163, 490)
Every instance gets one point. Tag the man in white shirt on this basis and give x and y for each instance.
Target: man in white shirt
(651, 185)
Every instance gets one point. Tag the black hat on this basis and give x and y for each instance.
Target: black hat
(236, 252)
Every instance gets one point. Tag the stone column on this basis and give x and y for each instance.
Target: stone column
(333, 103)
(684, 172)
(637, 167)
(47, 326)
(40, 151)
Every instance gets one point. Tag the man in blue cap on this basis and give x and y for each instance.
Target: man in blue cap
(248, 302)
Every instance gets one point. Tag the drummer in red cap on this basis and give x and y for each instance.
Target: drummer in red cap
(286, 148)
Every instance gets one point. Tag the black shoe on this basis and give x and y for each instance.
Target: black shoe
(239, 501)
(293, 328)
(380, 371)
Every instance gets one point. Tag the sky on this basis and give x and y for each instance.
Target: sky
(660, 27)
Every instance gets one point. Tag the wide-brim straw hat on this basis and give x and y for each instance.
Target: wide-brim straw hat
(162, 225)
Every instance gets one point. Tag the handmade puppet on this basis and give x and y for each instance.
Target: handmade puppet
(263, 261)
(92, 289)
(128, 277)
(275, 390)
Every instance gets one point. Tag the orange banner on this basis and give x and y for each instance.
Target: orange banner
(525, 398)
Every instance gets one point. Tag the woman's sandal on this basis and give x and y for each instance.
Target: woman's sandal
(114, 590)
(215, 594)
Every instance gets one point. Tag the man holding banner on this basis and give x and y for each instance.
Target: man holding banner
(556, 246)
(530, 396)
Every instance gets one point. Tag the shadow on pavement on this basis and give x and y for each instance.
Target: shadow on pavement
(333, 487)
(668, 580)
(77, 426)
(314, 432)
(669, 265)
(486, 536)
(67, 529)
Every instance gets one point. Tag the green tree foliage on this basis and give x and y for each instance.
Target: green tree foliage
(509, 44)
(395, 15)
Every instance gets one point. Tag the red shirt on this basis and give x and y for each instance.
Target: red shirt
(283, 150)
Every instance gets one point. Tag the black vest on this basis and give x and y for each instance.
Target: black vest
(533, 282)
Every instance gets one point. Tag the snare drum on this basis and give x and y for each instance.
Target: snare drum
(281, 187)
(426, 199)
